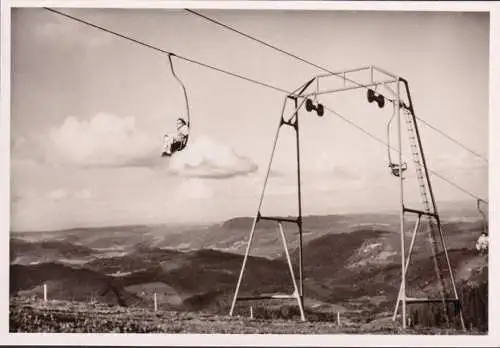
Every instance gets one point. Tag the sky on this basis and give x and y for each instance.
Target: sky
(89, 110)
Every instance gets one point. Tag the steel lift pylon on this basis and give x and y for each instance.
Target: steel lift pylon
(395, 86)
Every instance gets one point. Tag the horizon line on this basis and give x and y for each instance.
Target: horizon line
(209, 223)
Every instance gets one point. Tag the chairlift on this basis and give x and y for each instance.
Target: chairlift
(394, 167)
(177, 146)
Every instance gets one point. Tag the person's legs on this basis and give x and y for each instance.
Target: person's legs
(167, 146)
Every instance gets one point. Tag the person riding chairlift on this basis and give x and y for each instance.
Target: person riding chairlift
(482, 243)
(173, 141)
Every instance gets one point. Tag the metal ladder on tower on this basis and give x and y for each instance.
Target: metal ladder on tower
(425, 201)
(430, 212)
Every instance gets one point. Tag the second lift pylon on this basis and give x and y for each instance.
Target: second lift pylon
(290, 120)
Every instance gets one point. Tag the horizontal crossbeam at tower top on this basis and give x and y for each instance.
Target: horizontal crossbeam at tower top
(373, 76)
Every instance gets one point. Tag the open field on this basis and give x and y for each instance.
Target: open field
(27, 316)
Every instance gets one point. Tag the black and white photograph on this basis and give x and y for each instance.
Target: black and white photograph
(232, 168)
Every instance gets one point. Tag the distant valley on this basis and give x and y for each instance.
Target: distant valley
(351, 264)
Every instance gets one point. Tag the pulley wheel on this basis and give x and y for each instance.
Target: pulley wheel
(309, 105)
(320, 110)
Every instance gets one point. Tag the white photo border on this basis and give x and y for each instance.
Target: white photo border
(491, 339)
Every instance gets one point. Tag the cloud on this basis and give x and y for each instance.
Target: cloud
(17, 142)
(461, 160)
(60, 194)
(108, 140)
(104, 140)
(15, 198)
(194, 189)
(57, 29)
(206, 158)
(83, 194)
(326, 165)
(273, 173)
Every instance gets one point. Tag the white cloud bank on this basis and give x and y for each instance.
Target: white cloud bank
(104, 140)
(108, 140)
(207, 158)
